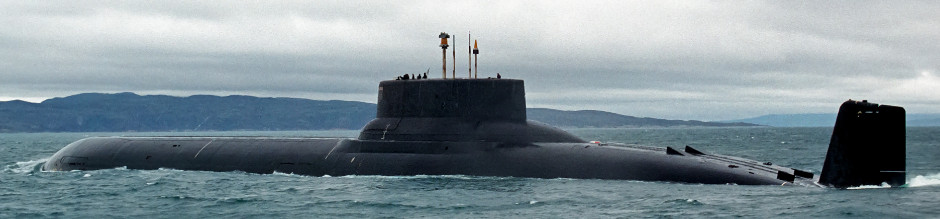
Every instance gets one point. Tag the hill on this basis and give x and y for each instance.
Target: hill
(97, 112)
(92, 112)
(602, 119)
(828, 120)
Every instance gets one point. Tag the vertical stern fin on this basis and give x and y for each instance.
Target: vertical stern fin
(867, 147)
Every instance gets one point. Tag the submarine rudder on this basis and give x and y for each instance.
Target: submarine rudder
(868, 146)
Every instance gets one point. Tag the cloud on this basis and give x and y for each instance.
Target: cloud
(671, 59)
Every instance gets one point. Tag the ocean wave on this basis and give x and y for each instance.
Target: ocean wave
(917, 181)
(458, 177)
(921, 180)
(882, 186)
(277, 173)
(26, 167)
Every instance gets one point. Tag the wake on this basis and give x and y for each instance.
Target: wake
(917, 181)
(921, 180)
(26, 167)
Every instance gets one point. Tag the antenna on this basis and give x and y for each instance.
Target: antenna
(453, 72)
(475, 52)
(469, 58)
(444, 46)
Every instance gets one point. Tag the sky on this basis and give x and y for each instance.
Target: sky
(691, 60)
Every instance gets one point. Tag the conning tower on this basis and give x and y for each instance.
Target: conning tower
(488, 110)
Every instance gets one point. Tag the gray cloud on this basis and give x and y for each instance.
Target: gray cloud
(681, 60)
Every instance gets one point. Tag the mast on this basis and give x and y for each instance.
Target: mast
(444, 46)
(453, 70)
(475, 52)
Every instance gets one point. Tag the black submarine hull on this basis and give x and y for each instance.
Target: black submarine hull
(479, 127)
(339, 157)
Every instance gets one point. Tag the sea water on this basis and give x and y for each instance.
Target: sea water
(25, 191)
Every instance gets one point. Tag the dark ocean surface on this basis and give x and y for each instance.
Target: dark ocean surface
(27, 192)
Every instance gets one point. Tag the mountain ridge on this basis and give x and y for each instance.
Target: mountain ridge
(103, 112)
(828, 120)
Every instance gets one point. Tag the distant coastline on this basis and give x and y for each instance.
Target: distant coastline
(828, 120)
(122, 112)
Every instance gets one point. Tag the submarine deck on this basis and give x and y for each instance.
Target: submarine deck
(336, 157)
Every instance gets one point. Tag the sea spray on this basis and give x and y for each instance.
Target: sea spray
(26, 167)
(921, 180)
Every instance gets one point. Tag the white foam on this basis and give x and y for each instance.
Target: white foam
(917, 181)
(882, 186)
(459, 177)
(921, 180)
(26, 166)
(277, 173)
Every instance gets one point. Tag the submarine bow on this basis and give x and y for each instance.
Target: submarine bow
(468, 127)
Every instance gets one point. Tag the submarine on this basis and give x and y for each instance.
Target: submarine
(479, 127)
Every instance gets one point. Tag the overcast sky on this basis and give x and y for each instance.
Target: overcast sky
(703, 60)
